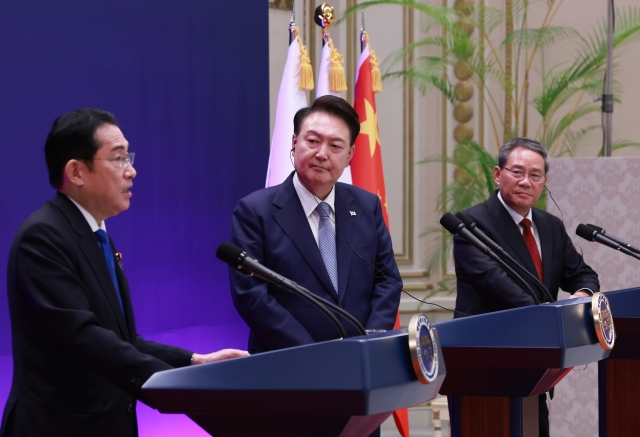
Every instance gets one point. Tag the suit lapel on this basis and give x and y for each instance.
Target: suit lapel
(291, 218)
(91, 249)
(513, 241)
(346, 231)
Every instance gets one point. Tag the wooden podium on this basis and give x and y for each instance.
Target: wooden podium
(619, 375)
(498, 363)
(343, 388)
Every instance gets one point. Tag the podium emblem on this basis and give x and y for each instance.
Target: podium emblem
(423, 349)
(603, 320)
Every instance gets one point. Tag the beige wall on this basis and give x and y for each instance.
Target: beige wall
(414, 126)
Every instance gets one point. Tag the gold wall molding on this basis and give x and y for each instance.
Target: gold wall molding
(281, 4)
(406, 255)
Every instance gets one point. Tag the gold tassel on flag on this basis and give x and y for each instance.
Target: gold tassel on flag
(376, 76)
(305, 82)
(337, 81)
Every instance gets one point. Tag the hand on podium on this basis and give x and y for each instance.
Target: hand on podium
(223, 354)
(580, 293)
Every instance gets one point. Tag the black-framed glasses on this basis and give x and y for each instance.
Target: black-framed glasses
(519, 174)
(121, 161)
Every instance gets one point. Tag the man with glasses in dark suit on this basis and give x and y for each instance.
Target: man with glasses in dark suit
(536, 239)
(78, 362)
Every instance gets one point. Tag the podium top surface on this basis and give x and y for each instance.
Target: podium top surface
(353, 376)
(561, 324)
(625, 303)
(564, 327)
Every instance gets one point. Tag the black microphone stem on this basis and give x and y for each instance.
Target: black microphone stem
(312, 299)
(454, 225)
(473, 227)
(513, 275)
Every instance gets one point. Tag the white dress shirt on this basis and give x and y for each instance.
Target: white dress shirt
(310, 203)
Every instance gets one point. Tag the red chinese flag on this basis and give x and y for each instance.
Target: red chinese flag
(366, 165)
(366, 168)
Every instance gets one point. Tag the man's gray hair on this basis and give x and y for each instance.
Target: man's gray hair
(528, 143)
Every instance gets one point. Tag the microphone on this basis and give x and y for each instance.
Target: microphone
(454, 225)
(239, 260)
(592, 234)
(471, 225)
(616, 239)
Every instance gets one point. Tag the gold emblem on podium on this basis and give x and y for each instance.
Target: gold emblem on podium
(423, 349)
(603, 320)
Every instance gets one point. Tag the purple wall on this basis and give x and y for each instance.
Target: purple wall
(188, 83)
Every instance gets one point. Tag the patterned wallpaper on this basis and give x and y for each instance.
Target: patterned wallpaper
(606, 193)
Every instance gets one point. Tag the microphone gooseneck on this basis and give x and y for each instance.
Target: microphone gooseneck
(614, 238)
(454, 225)
(591, 234)
(475, 230)
(239, 260)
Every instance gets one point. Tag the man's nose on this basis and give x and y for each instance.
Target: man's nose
(322, 151)
(130, 171)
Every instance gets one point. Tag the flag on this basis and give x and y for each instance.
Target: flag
(296, 79)
(366, 165)
(330, 60)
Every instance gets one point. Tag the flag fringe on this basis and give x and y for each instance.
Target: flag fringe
(337, 81)
(305, 81)
(376, 76)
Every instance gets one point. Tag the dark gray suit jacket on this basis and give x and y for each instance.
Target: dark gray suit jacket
(483, 286)
(78, 362)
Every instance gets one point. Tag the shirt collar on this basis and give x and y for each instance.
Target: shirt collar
(89, 218)
(514, 215)
(309, 201)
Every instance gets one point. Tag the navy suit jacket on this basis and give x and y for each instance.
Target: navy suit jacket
(483, 286)
(78, 363)
(271, 226)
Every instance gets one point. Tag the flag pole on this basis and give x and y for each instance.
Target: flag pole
(362, 38)
(292, 23)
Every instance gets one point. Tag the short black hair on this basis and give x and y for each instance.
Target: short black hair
(527, 143)
(72, 137)
(334, 106)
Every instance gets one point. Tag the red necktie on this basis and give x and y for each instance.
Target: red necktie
(532, 246)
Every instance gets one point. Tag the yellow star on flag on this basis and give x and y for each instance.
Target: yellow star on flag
(370, 126)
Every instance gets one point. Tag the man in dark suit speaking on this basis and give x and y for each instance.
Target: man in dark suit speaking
(329, 237)
(78, 363)
(536, 239)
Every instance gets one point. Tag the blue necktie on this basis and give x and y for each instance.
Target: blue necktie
(111, 261)
(327, 243)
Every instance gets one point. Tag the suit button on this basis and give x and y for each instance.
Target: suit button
(130, 408)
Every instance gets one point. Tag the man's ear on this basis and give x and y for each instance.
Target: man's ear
(496, 174)
(352, 151)
(74, 172)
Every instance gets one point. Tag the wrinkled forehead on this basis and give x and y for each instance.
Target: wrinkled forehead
(522, 157)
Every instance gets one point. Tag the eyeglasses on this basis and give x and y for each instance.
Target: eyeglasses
(519, 174)
(122, 161)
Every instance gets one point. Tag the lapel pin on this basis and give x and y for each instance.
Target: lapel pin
(119, 259)
(352, 213)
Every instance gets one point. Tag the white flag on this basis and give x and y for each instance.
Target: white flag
(290, 99)
(322, 89)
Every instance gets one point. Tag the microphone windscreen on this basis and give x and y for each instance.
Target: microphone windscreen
(597, 228)
(586, 232)
(228, 253)
(465, 219)
(451, 223)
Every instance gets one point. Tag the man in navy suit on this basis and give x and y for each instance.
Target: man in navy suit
(536, 239)
(328, 237)
(78, 362)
